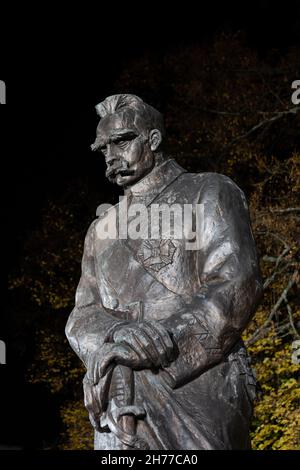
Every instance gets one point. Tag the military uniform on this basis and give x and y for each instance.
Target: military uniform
(205, 298)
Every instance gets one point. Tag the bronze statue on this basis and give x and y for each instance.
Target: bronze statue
(158, 322)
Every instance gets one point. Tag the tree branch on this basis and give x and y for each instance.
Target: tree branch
(286, 211)
(291, 317)
(276, 116)
(259, 332)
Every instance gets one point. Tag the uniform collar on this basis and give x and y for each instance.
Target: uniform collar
(157, 180)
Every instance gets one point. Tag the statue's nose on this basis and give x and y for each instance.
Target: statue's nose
(110, 160)
(110, 156)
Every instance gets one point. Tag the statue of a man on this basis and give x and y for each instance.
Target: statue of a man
(157, 325)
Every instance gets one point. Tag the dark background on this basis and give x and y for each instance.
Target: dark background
(60, 67)
(57, 67)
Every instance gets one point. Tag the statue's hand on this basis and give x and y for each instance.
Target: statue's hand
(96, 382)
(137, 346)
(96, 387)
(150, 340)
(95, 398)
(110, 354)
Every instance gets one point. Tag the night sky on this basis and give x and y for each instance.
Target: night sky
(62, 65)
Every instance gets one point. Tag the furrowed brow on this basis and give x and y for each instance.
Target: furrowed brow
(124, 134)
(101, 142)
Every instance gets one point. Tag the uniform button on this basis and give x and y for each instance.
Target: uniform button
(114, 303)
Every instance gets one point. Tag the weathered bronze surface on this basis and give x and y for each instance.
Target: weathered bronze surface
(158, 326)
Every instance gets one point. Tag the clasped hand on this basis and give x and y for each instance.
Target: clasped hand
(136, 345)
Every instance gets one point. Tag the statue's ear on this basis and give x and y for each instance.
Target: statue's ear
(155, 139)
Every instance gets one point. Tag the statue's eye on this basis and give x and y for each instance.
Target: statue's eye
(122, 143)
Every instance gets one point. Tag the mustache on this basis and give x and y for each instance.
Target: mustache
(121, 167)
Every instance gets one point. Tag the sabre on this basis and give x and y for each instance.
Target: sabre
(122, 414)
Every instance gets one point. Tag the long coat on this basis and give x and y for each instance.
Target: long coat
(204, 297)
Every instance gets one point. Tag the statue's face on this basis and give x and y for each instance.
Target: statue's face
(127, 152)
